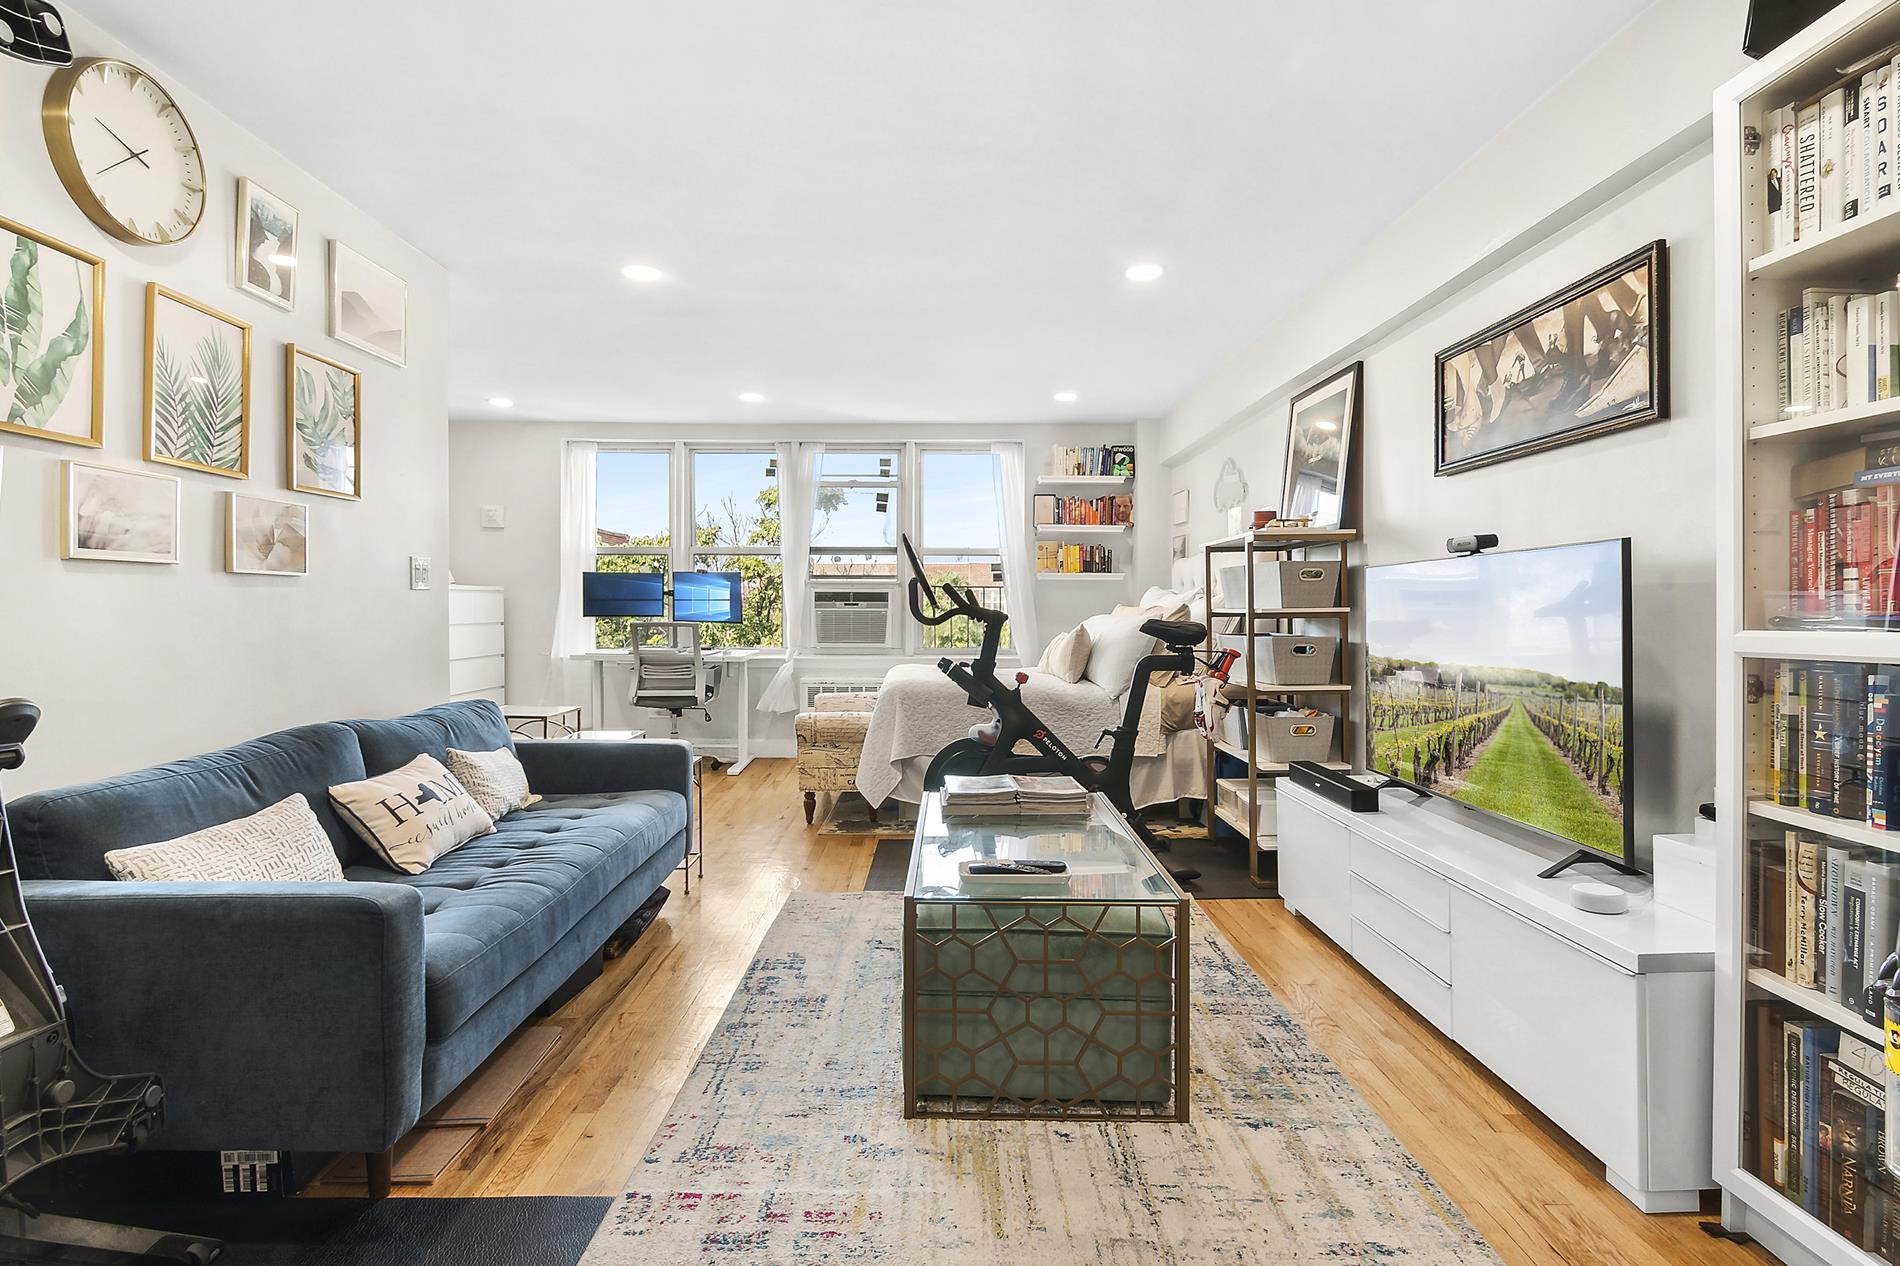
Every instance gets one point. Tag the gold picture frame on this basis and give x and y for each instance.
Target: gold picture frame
(190, 393)
(94, 435)
(314, 426)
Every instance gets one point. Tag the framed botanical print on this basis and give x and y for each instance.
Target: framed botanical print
(52, 338)
(323, 411)
(197, 385)
(1589, 359)
(108, 514)
(1319, 433)
(369, 306)
(266, 537)
(268, 245)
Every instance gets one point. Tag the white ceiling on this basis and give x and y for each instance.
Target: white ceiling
(871, 209)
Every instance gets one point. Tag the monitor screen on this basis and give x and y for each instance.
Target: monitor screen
(708, 597)
(1502, 680)
(614, 593)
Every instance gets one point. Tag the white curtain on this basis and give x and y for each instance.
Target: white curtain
(798, 486)
(574, 634)
(1019, 549)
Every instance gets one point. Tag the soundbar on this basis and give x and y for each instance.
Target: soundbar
(1336, 785)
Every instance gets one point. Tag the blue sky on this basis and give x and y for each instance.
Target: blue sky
(959, 510)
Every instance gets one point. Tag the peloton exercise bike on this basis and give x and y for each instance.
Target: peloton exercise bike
(992, 748)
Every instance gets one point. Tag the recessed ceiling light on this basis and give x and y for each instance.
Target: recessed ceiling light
(751, 397)
(500, 402)
(1065, 397)
(642, 272)
(1143, 272)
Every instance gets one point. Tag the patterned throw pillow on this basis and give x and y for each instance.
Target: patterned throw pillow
(413, 815)
(283, 842)
(496, 780)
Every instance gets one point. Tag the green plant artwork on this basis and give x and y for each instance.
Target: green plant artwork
(198, 400)
(38, 366)
(325, 423)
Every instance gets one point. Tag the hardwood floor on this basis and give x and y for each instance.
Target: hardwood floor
(581, 1124)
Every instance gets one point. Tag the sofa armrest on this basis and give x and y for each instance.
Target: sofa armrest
(280, 1015)
(578, 767)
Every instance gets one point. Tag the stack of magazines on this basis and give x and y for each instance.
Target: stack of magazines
(1014, 796)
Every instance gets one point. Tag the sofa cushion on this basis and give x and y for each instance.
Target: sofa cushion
(280, 844)
(495, 905)
(66, 834)
(473, 725)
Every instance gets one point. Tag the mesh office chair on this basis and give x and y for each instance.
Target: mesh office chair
(670, 674)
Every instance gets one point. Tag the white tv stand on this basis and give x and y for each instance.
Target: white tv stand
(1604, 1022)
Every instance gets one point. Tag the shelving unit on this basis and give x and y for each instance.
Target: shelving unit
(1114, 539)
(1760, 626)
(1106, 482)
(1273, 544)
(1082, 529)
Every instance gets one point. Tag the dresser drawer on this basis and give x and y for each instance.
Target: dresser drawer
(1405, 930)
(1412, 886)
(1427, 994)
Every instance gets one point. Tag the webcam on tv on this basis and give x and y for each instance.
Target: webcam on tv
(1471, 544)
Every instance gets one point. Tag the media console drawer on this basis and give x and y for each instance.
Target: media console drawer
(1412, 886)
(1430, 947)
(1427, 994)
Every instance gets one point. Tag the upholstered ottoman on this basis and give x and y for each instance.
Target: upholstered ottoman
(830, 736)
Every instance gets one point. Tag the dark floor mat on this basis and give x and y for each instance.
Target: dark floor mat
(1222, 863)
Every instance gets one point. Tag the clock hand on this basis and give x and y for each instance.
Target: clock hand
(123, 161)
(130, 153)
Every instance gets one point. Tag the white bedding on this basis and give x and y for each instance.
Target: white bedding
(920, 712)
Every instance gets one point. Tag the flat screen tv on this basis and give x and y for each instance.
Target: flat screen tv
(1501, 681)
(708, 597)
(613, 593)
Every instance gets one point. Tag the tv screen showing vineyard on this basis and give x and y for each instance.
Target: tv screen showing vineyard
(1500, 680)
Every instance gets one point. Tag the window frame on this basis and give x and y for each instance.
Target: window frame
(1000, 567)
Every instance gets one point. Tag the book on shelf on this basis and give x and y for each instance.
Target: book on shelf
(1091, 460)
(1070, 558)
(1049, 510)
(1830, 160)
(1844, 545)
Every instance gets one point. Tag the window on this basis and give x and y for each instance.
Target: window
(632, 523)
(736, 528)
(855, 514)
(960, 535)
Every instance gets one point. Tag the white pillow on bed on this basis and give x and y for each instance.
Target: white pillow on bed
(1066, 657)
(1116, 646)
(1172, 599)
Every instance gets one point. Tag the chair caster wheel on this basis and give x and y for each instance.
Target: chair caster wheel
(715, 764)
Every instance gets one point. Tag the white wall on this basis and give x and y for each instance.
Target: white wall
(1616, 156)
(136, 664)
(517, 465)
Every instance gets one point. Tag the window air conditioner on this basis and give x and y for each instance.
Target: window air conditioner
(844, 619)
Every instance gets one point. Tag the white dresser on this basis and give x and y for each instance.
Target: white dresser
(1604, 1022)
(478, 643)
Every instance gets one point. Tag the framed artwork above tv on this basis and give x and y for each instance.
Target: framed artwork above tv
(1590, 359)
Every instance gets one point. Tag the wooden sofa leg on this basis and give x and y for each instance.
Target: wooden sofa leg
(377, 1165)
(811, 806)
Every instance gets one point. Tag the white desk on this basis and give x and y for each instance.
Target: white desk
(737, 657)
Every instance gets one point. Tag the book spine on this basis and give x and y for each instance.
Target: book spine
(1864, 164)
(1883, 345)
(1792, 955)
(1836, 352)
(1800, 368)
(1850, 143)
(1853, 971)
(1877, 706)
(1832, 164)
(1816, 1040)
(1880, 137)
(1861, 365)
(1807, 877)
(1782, 388)
(1791, 1120)
(1833, 864)
(1807, 171)
(1882, 922)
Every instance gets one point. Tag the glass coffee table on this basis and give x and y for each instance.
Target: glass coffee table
(1062, 998)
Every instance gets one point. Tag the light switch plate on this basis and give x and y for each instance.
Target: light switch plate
(494, 516)
(418, 572)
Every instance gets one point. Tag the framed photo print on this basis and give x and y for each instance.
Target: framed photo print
(108, 514)
(197, 385)
(1589, 359)
(369, 306)
(323, 412)
(1319, 431)
(52, 338)
(266, 537)
(268, 245)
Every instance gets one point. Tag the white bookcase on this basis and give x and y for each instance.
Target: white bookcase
(1767, 633)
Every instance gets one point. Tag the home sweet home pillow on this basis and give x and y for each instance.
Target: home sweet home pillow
(283, 843)
(496, 780)
(413, 815)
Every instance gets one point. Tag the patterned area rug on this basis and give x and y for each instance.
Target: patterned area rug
(787, 1143)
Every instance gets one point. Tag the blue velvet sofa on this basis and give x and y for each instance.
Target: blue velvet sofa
(329, 1017)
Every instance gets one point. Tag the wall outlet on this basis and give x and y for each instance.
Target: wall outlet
(418, 572)
(494, 516)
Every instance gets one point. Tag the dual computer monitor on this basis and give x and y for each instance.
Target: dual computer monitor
(703, 597)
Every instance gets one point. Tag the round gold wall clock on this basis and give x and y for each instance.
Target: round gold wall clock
(124, 151)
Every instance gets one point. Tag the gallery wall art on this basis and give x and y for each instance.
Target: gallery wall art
(369, 306)
(1321, 422)
(323, 409)
(197, 385)
(1589, 359)
(52, 336)
(268, 245)
(266, 537)
(109, 514)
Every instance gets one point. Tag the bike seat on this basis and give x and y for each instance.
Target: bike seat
(1176, 632)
